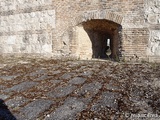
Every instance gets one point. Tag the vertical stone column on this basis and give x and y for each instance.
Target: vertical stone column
(74, 44)
(114, 45)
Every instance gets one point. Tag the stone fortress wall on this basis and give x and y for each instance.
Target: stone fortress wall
(55, 27)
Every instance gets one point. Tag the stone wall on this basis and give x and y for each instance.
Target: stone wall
(152, 17)
(26, 26)
(50, 26)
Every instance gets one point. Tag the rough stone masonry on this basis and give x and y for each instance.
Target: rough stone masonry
(81, 28)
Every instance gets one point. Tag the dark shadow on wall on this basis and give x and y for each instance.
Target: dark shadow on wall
(105, 38)
(99, 43)
(5, 113)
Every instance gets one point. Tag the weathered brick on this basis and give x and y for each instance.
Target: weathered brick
(50, 27)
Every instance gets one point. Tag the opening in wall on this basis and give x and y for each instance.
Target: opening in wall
(104, 38)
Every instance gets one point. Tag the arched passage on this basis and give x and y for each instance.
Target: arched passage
(94, 32)
(104, 36)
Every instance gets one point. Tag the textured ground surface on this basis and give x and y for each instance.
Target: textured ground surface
(84, 90)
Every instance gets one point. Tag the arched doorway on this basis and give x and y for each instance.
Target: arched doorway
(105, 37)
(95, 33)
(98, 38)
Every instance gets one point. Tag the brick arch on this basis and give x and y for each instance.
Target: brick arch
(78, 25)
(97, 14)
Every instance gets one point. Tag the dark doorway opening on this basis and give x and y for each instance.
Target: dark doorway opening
(105, 38)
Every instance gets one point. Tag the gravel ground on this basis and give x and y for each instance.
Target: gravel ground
(48, 89)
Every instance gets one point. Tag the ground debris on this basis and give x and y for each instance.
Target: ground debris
(82, 90)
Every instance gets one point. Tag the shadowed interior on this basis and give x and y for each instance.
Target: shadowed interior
(100, 33)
